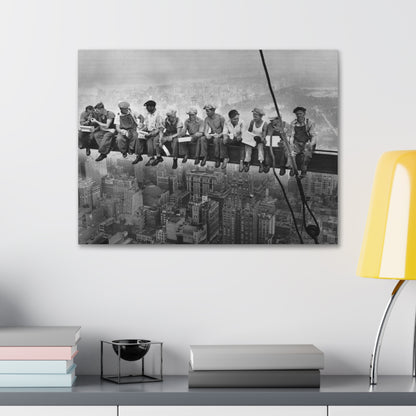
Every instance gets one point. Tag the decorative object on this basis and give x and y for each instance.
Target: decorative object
(125, 362)
(389, 244)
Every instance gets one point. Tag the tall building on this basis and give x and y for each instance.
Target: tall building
(161, 236)
(248, 225)
(122, 184)
(213, 220)
(231, 219)
(167, 182)
(152, 217)
(133, 200)
(266, 228)
(200, 183)
(85, 192)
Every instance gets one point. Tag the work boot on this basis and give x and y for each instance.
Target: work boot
(282, 171)
(185, 159)
(131, 152)
(204, 161)
(101, 157)
(175, 164)
(261, 168)
(241, 168)
(217, 163)
(224, 163)
(266, 168)
(124, 154)
(196, 161)
(158, 160)
(292, 172)
(137, 160)
(150, 161)
(246, 166)
(88, 151)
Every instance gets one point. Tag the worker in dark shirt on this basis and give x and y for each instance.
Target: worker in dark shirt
(303, 140)
(127, 138)
(105, 134)
(172, 129)
(85, 137)
(278, 129)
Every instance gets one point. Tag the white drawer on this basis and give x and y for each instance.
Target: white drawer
(58, 410)
(222, 411)
(372, 411)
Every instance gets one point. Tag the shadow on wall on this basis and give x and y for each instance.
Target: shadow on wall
(11, 314)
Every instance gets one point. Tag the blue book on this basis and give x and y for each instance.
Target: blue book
(35, 366)
(39, 380)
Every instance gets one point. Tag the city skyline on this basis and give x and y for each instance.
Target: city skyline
(193, 205)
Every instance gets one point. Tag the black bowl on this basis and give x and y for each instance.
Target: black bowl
(133, 352)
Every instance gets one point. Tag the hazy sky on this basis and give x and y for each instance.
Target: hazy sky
(109, 67)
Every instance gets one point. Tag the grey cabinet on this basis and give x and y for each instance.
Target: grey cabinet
(223, 411)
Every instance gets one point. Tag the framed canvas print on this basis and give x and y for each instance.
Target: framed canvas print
(208, 147)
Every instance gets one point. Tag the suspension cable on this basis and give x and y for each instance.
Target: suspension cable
(312, 230)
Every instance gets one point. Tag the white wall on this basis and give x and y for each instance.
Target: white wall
(198, 295)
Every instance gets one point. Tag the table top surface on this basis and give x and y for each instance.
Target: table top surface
(174, 391)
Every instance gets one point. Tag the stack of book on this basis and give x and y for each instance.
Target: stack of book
(255, 366)
(38, 356)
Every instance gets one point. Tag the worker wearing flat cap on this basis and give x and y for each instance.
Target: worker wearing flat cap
(105, 134)
(303, 140)
(278, 131)
(87, 129)
(258, 128)
(193, 127)
(172, 128)
(153, 129)
(127, 123)
(233, 135)
(213, 127)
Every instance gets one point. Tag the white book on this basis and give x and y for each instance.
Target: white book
(35, 366)
(276, 140)
(248, 139)
(184, 139)
(38, 380)
(256, 357)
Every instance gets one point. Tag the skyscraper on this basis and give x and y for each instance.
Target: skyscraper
(266, 228)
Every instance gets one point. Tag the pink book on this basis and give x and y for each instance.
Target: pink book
(38, 353)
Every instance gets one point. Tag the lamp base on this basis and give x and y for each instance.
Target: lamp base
(380, 334)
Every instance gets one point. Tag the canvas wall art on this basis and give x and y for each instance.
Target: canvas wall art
(208, 147)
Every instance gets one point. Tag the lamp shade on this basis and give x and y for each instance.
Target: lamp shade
(389, 245)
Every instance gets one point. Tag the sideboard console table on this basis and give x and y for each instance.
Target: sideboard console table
(337, 396)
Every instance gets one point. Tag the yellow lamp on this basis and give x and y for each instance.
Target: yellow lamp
(389, 244)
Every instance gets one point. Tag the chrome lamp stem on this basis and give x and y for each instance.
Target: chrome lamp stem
(380, 333)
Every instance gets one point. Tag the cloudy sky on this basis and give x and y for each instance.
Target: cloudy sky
(316, 68)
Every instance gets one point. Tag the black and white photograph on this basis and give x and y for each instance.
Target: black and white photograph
(208, 147)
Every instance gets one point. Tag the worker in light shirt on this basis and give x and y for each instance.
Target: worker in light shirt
(127, 122)
(233, 135)
(257, 127)
(193, 127)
